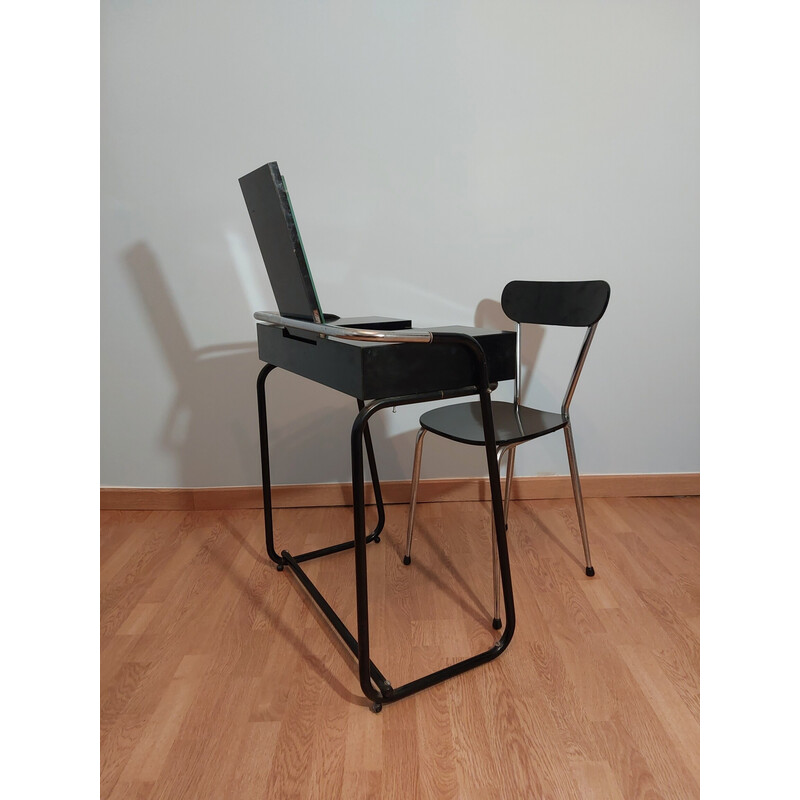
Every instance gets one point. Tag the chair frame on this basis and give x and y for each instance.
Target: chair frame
(508, 451)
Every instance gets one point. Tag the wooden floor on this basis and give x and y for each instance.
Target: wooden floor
(219, 678)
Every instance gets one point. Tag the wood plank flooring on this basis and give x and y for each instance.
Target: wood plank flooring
(220, 679)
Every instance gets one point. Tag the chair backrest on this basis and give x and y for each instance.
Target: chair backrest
(577, 304)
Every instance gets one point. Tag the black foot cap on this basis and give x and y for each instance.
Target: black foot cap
(497, 624)
(377, 540)
(590, 572)
(376, 708)
(279, 568)
(406, 560)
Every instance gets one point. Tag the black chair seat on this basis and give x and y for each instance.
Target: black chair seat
(462, 423)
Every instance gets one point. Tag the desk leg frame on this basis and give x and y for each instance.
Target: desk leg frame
(373, 683)
(365, 665)
(266, 485)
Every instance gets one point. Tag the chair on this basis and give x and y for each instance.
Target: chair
(567, 303)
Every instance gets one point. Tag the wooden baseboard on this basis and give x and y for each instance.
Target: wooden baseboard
(432, 490)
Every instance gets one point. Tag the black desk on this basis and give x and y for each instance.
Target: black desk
(454, 362)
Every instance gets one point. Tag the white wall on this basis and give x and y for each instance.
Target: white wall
(434, 151)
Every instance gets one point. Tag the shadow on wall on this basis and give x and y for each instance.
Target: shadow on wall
(312, 444)
(209, 426)
(490, 314)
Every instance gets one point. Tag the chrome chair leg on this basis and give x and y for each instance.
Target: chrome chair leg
(509, 451)
(414, 485)
(576, 490)
(501, 451)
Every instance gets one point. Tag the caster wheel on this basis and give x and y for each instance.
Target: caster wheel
(406, 560)
(497, 624)
(376, 708)
(590, 572)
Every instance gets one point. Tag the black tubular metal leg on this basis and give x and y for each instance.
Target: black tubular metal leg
(482, 381)
(266, 486)
(360, 541)
(509, 451)
(501, 533)
(376, 484)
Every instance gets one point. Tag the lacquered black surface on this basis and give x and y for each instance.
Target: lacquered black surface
(279, 240)
(370, 323)
(574, 303)
(462, 422)
(368, 370)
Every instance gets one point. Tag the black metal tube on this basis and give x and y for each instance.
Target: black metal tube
(326, 551)
(482, 382)
(376, 483)
(359, 539)
(266, 487)
(425, 682)
(333, 617)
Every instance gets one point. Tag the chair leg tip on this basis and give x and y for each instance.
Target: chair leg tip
(497, 624)
(590, 572)
(406, 560)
